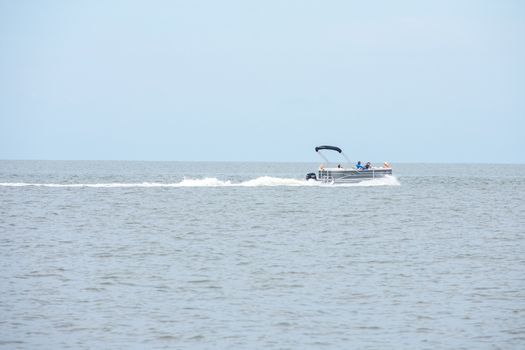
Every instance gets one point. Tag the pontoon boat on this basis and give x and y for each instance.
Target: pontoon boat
(347, 174)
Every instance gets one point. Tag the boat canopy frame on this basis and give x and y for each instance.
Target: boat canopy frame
(331, 148)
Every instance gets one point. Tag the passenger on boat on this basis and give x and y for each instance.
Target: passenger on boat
(358, 166)
(368, 165)
(339, 166)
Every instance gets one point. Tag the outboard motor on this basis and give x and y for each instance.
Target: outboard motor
(311, 176)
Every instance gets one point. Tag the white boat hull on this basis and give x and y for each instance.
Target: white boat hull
(338, 175)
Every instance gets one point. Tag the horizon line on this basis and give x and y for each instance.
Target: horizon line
(251, 161)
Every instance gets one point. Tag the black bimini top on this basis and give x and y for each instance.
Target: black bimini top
(332, 148)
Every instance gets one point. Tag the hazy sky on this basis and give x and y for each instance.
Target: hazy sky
(434, 81)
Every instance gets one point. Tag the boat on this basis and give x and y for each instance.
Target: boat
(348, 174)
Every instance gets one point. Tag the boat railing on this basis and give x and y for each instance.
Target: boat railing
(325, 176)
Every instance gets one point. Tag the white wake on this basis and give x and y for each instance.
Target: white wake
(263, 181)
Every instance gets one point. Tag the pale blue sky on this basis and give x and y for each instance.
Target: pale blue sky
(404, 81)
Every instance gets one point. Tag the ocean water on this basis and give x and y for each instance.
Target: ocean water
(154, 255)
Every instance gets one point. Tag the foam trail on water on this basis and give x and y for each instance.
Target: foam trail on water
(274, 181)
(206, 182)
(263, 181)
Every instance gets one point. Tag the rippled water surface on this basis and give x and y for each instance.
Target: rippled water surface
(123, 255)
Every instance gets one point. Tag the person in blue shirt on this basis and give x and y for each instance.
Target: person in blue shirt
(359, 166)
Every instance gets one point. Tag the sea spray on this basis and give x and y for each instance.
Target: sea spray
(263, 181)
